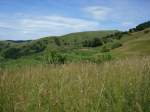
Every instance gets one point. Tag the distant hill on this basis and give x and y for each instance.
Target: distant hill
(81, 36)
(35, 46)
(80, 46)
(19, 41)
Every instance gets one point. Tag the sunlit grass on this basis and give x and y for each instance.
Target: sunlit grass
(116, 86)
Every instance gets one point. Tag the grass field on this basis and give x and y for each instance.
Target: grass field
(114, 86)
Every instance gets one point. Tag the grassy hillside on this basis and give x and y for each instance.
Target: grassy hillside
(39, 49)
(137, 43)
(81, 36)
(96, 46)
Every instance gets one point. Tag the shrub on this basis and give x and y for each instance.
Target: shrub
(116, 45)
(38, 46)
(96, 42)
(118, 35)
(146, 31)
(143, 26)
(107, 39)
(98, 58)
(140, 27)
(132, 30)
(92, 43)
(86, 43)
(11, 53)
(55, 58)
(105, 49)
(57, 41)
(17, 52)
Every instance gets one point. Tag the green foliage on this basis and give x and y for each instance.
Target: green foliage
(55, 58)
(57, 41)
(4, 45)
(102, 57)
(38, 46)
(132, 30)
(83, 36)
(113, 37)
(141, 27)
(116, 45)
(17, 51)
(92, 43)
(118, 35)
(105, 48)
(12, 53)
(97, 42)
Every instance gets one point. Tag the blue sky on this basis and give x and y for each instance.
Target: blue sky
(32, 19)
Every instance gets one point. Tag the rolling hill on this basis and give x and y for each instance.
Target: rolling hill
(81, 46)
(79, 72)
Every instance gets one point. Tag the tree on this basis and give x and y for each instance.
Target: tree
(96, 42)
(92, 43)
(140, 27)
(143, 26)
(38, 46)
(12, 53)
(86, 43)
(57, 41)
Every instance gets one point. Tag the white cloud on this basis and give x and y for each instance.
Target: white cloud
(6, 25)
(48, 25)
(127, 24)
(98, 12)
(56, 25)
(58, 21)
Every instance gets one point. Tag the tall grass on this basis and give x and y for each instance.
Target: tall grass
(116, 86)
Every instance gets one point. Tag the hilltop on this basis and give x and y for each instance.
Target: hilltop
(92, 46)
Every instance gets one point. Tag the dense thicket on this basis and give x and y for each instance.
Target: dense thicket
(141, 27)
(93, 43)
(14, 52)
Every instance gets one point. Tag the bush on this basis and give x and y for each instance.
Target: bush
(116, 45)
(55, 58)
(57, 41)
(18, 51)
(92, 43)
(98, 58)
(96, 42)
(140, 27)
(38, 46)
(146, 31)
(143, 26)
(118, 35)
(105, 49)
(4, 46)
(11, 53)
